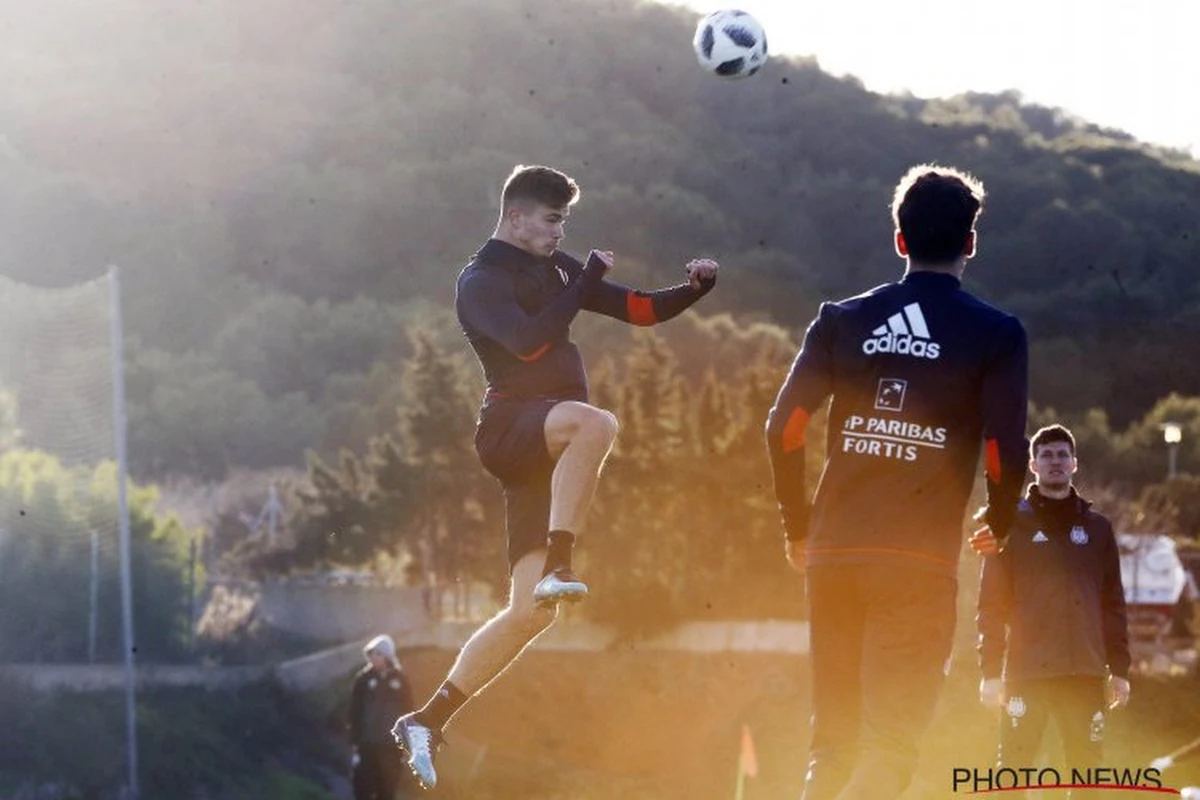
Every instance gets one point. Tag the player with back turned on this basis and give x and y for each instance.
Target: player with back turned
(922, 375)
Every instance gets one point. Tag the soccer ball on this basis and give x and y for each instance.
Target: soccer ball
(730, 44)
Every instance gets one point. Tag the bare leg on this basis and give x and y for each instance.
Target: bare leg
(482, 659)
(500, 641)
(579, 437)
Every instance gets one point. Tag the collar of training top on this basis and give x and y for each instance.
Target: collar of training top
(924, 277)
(503, 254)
(1074, 502)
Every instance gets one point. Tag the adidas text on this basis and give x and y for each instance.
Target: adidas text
(902, 344)
(905, 333)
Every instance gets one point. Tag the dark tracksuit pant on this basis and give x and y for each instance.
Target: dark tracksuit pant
(381, 773)
(880, 640)
(1076, 705)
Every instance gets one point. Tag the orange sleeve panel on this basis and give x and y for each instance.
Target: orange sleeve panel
(793, 431)
(992, 460)
(640, 309)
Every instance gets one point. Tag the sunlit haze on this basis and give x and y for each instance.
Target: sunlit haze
(1124, 66)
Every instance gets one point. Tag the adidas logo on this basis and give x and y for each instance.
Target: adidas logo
(905, 334)
(1040, 537)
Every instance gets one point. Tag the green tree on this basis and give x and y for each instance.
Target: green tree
(1171, 507)
(454, 529)
(48, 513)
(335, 523)
(190, 416)
(417, 498)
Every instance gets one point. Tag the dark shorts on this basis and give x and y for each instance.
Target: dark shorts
(511, 442)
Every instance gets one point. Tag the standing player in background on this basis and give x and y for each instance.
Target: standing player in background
(921, 374)
(380, 693)
(537, 433)
(1071, 663)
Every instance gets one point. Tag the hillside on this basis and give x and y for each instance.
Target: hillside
(259, 170)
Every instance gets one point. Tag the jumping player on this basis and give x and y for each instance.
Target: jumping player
(537, 433)
(921, 374)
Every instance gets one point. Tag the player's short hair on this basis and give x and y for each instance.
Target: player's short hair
(1049, 435)
(542, 185)
(935, 208)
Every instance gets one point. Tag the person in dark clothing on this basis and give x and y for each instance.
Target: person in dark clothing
(537, 434)
(1052, 627)
(380, 693)
(922, 375)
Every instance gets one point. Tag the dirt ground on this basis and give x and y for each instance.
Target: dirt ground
(633, 725)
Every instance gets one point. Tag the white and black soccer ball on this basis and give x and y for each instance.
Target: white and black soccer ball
(730, 44)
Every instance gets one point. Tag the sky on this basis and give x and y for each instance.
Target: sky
(1119, 65)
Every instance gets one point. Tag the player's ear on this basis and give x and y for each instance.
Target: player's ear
(901, 245)
(969, 247)
(513, 214)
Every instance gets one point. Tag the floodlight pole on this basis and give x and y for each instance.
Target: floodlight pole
(118, 375)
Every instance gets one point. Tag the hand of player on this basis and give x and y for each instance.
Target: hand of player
(1116, 692)
(605, 257)
(991, 692)
(794, 552)
(701, 271)
(984, 542)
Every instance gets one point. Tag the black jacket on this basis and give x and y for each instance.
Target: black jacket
(1056, 590)
(923, 375)
(376, 701)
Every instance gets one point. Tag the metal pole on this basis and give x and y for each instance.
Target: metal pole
(273, 514)
(191, 593)
(118, 374)
(93, 596)
(1172, 458)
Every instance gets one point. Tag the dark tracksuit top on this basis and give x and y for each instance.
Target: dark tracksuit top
(377, 699)
(516, 310)
(922, 374)
(1052, 601)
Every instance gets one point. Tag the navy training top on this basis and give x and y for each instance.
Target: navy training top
(922, 374)
(516, 309)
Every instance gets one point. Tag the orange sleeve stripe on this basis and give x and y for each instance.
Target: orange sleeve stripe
(793, 431)
(541, 351)
(640, 309)
(992, 460)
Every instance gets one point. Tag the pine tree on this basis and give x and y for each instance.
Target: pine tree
(453, 538)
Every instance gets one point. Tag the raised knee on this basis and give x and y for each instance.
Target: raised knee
(604, 425)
